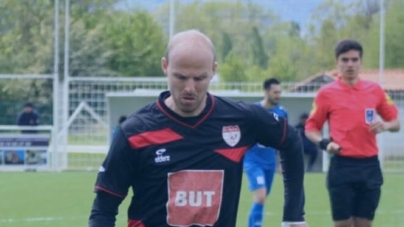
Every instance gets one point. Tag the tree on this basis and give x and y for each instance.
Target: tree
(225, 46)
(259, 57)
(25, 32)
(136, 43)
(88, 52)
(26, 45)
(394, 35)
(230, 25)
(232, 69)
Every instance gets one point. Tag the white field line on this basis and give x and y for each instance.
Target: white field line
(396, 212)
(40, 219)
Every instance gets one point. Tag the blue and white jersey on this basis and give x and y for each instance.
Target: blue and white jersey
(259, 155)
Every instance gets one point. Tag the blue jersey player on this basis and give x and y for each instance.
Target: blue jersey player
(260, 161)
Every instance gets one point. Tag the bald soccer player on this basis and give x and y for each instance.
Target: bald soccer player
(351, 106)
(182, 155)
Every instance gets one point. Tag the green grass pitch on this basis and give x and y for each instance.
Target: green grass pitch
(64, 200)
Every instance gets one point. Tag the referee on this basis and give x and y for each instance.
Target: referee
(351, 105)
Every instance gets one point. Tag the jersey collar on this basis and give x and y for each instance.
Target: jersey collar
(191, 122)
(356, 86)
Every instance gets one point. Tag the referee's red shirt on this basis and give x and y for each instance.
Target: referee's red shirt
(345, 109)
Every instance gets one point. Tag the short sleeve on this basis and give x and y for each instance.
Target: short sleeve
(386, 107)
(318, 113)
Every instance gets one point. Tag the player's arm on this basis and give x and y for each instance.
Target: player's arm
(389, 113)
(316, 120)
(273, 131)
(113, 182)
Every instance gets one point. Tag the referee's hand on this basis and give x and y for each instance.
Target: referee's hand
(378, 127)
(333, 148)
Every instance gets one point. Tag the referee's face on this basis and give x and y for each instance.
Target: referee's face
(189, 69)
(349, 64)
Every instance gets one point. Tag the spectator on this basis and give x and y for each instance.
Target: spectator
(28, 117)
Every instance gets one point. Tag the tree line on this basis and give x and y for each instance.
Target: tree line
(252, 42)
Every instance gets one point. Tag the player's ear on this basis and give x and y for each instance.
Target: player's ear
(214, 67)
(164, 65)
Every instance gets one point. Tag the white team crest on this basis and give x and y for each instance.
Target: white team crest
(231, 135)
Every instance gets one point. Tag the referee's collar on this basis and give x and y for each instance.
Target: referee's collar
(356, 86)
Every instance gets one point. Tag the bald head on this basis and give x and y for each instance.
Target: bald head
(189, 65)
(191, 40)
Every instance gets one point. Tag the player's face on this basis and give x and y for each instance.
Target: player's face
(189, 74)
(273, 94)
(28, 109)
(349, 64)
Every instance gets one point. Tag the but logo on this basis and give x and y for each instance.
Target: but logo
(194, 197)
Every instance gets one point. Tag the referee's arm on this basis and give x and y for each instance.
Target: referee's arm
(389, 113)
(317, 118)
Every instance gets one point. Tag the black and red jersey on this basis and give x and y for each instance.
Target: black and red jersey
(187, 171)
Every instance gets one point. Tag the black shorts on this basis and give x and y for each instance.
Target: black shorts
(354, 186)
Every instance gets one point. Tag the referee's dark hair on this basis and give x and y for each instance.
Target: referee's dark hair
(268, 82)
(346, 45)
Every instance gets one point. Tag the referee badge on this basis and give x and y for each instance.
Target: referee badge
(370, 115)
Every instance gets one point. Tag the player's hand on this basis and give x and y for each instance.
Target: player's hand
(378, 127)
(333, 148)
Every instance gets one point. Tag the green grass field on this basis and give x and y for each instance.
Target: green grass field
(64, 200)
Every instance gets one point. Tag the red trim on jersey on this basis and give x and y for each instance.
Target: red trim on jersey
(183, 123)
(284, 132)
(135, 223)
(234, 154)
(109, 192)
(153, 137)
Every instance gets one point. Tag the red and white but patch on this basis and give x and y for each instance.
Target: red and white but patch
(231, 135)
(194, 197)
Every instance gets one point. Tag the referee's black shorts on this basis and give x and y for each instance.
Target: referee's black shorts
(354, 187)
